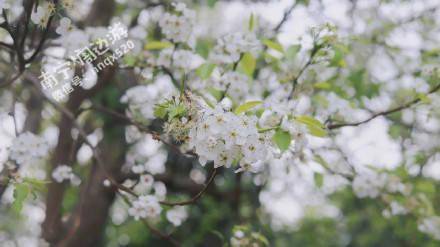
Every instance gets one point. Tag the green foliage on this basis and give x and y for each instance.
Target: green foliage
(21, 193)
(361, 86)
(158, 45)
(319, 179)
(23, 190)
(252, 22)
(205, 70)
(246, 106)
(170, 109)
(282, 139)
(273, 45)
(292, 51)
(315, 127)
(247, 64)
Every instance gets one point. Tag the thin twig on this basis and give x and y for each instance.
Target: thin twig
(196, 197)
(286, 16)
(383, 113)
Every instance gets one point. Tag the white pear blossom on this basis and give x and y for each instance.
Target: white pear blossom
(145, 184)
(145, 207)
(430, 225)
(5, 4)
(165, 57)
(179, 27)
(223, 137)
(65, 26)
(230, 47)
(41, 16)
(67, 4)
(177, 215)
(142, 99)
(369, 185)
(186, 60)
(237, 85)
(28, 148)
(65, 173)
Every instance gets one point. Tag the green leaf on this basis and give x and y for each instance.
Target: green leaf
(216, 93)
(319, 179)
(36, 184)
(292, 51)
(315, 127)
(205, 70)
(260, 238)
(316, 131)
(157, 45)
(424, 98)
(252, 22)
(323, 85)
(321, 161)
(273, 45)
(246, 106)
(130, 60)
(247, 64)
(338, 58)
(218, 234)
(203, 47)
(211, 3)
(177, 111)
(307, 120)
(282, 139)
(20, 194)
(160, 112)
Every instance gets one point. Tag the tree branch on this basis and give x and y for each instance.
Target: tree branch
(383, 113)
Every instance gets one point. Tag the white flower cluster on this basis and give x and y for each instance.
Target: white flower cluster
(371, 184)
(225, 138)
(28, 148)
(236, 83)
(145, 207)
(177, 215)
(186, 60)
(146, 155)
(5, 4)
(141, 99)
(229, 48)
(146, 186)
(64, 173)
(41, 16)
(179, 27)
(395, 209)
(431, 226)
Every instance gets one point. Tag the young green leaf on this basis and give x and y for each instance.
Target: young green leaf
(157, 45)
(252, 22)
(307, 120)
(247, 64)
(292, 51)
(424, 98)
(160, 111)
(20, 194)
(176, 111)
(273, 45)
(246, 106)
(315, 127)
(282, 139)
(316, 131)
(205, 70)
(319, 179)
(211, 3)
(322, 85)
